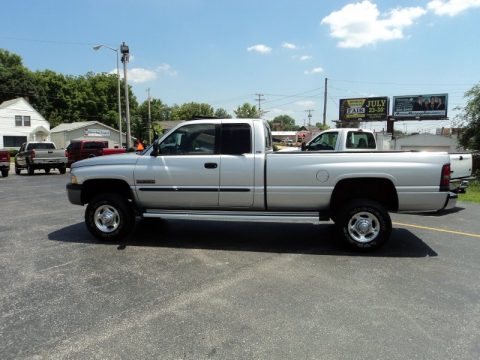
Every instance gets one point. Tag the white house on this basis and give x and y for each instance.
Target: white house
(20, 122)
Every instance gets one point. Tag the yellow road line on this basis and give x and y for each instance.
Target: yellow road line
(439, 230)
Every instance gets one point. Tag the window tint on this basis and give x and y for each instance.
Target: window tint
(360, 140)
(236, 139)
(325, 141)
(195, 139)
(93, 145)
(74, 146)
(41, 146)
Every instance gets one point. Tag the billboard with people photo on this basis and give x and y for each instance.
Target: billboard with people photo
(418, 107)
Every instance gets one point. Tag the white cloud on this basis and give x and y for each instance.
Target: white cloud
(166, 69)
(305, 103)
(451, 7)
(316, 70)
(361, 23)
(305, 57)
(289, 46)
(141, 75)
(260, 48)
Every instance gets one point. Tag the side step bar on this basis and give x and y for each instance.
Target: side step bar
(256, 216)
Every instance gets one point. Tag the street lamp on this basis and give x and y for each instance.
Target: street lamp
(98, 47)
(125, 57)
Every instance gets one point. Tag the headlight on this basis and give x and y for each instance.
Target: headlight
(73, 179)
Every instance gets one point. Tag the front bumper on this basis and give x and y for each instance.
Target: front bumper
(74, 193)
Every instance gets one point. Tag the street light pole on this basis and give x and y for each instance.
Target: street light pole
(98, 47)
(125, 56)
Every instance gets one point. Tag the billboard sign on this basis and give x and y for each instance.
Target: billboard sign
(364, 109)
(418, 107)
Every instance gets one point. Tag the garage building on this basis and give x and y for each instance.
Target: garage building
(63, 134)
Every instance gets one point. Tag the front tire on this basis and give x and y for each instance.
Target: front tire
(364, 225)
(109, 217)
(17, 169)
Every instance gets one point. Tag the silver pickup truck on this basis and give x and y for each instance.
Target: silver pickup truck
(226, 170)
(41, 155)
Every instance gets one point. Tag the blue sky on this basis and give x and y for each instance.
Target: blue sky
(224, 52)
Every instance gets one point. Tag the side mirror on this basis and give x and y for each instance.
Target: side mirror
(304, 146)
(156, 148)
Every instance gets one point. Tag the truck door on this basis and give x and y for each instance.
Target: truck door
(186, 173)
(237, 165)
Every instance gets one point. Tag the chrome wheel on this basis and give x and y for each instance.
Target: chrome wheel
(106, 218)
(363, 227)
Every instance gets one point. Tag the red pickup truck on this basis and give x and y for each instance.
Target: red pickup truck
(4, 162)
(84, 149)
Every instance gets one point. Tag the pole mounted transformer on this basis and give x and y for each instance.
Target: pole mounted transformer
(124, 49)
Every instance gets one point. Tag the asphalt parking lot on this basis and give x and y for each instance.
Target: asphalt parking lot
(213, 290)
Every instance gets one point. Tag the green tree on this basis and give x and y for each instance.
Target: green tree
(158, 112)
(321, 126)
(190, 111)
(15, 79)
(246, 111)
(284, 122)
(470, 119)
(221, 113)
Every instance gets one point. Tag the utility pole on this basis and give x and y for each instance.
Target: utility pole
(309, 117)
(260, 98)
(325, 104)
(125, 56)
(149, 119)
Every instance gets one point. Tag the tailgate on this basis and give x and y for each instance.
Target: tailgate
(461, 165)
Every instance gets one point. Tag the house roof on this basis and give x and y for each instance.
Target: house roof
(78, 125)
(73, 126)
(7, 103)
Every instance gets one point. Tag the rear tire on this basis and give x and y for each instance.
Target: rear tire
(4, 173)
(109, 217)
(364, 225)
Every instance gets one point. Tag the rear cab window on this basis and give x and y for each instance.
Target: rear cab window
(360, 140)
(40, 146)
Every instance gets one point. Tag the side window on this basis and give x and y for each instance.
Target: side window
(325, 141)
(195, 139)
(268, 137)
(236, 139)
(360, 140)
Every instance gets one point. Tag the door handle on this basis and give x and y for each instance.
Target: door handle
(211, 165)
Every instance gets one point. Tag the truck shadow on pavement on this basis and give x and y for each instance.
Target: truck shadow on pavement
(298, 238)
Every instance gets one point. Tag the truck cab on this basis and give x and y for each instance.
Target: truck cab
(342, 140)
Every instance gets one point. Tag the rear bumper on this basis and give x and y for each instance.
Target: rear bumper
(451, 201)
(4, 165)
(74, 193)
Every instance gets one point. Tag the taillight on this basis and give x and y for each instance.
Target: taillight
(445, 178)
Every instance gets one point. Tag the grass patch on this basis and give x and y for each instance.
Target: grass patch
(473, 192)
